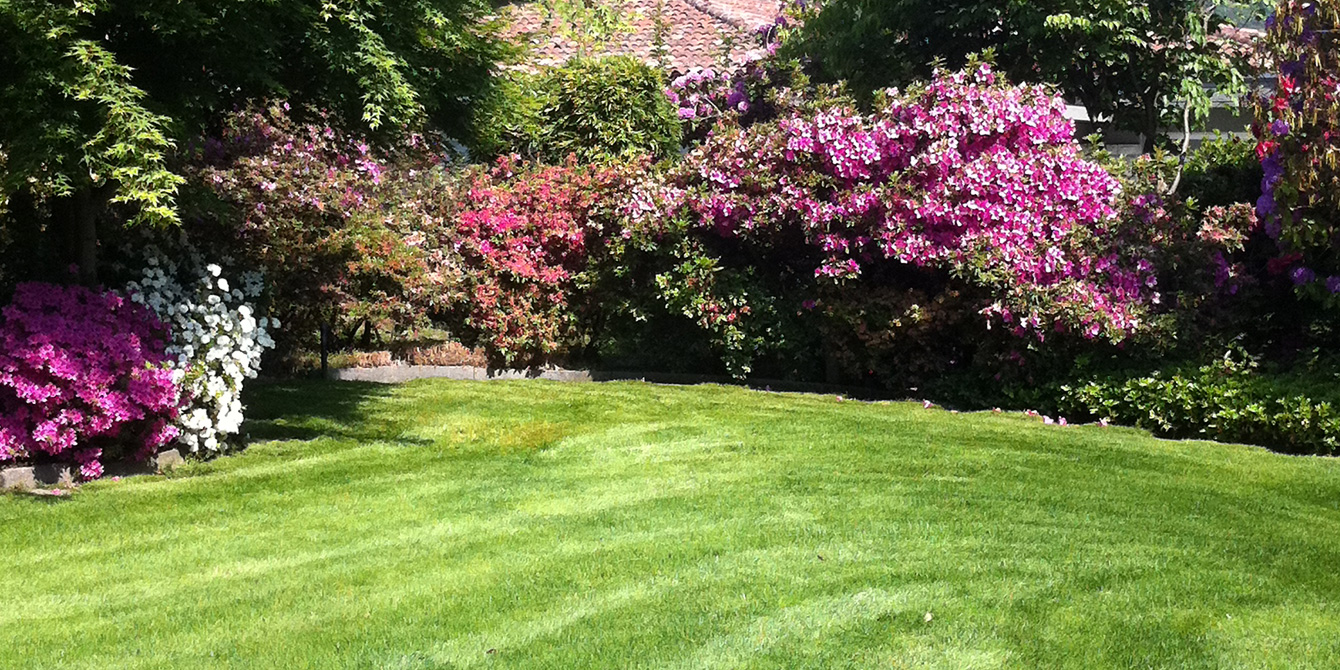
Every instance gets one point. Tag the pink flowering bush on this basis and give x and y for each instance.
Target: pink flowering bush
(525, 232)
(335, 223)
(83, 376)
(967, 174)
(385, 241)
(965, 185)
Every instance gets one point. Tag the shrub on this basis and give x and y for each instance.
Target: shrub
(83, 376)
(389, 242)
(1222, 171)
(594, 108)
(1222, 401)
(344, 233)
(759, 87)
(1298, 138)
(965, 185)
(525, 232)
(217, 337)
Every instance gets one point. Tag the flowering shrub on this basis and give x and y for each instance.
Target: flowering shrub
(525, 232)
(967, 175)
(391, 241)
(341, 230)
(217, 338)
(1298, 141)
(966, 181)
(750, 88)
(83, 375)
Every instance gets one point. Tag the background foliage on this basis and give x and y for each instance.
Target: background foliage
(593, 108)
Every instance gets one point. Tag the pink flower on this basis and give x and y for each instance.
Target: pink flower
(78, 365)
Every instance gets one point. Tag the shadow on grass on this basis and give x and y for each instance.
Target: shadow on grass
(306, 410)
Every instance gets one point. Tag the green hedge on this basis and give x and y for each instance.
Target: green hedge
(594, 108)
(1225, 401)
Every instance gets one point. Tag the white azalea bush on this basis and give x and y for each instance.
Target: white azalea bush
(217, 337)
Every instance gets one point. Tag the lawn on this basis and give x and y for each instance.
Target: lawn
(542, 525)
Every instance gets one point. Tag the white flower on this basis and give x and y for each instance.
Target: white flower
(216, 339)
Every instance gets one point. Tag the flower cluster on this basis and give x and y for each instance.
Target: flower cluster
(1298, 141)
(740, 91)
(966, 174)
(83, 374)
(217, 338)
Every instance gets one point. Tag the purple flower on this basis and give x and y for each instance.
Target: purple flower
(1280, 128)
(1265, 206)
(1333, 284)
(1273, 227)
(1302, 275)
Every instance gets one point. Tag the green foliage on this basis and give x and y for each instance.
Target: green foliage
(589, 24)
(1139, 63)
(1222, 171)
(96, 94)
(595, 108)
(1224, 400)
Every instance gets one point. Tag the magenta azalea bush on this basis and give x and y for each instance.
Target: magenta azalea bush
(83, 376)
(967, 174)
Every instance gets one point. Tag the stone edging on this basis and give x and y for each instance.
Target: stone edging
(33, 477)
(396, 374)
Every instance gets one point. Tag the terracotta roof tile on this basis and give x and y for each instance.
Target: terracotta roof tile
(696, 31)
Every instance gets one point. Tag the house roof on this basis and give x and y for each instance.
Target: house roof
(695, 31)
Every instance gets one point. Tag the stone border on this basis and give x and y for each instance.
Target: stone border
(396, 374)
(30, 478)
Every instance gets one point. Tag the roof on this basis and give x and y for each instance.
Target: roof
(695, 31)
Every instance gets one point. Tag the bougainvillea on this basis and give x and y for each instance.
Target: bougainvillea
(217, 337)
(966, 174)
(1298, 142)
(83, 376)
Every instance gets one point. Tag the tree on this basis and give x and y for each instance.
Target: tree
(1138, 63)
(96, 94)
(590, 25)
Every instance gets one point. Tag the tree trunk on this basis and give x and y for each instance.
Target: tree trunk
(86, 209)
(1151, 129)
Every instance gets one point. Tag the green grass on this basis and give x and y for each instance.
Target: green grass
(539, 525)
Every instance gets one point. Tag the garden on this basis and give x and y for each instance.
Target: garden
(203, 207)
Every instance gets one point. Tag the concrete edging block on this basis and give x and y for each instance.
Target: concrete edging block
(18, 479)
